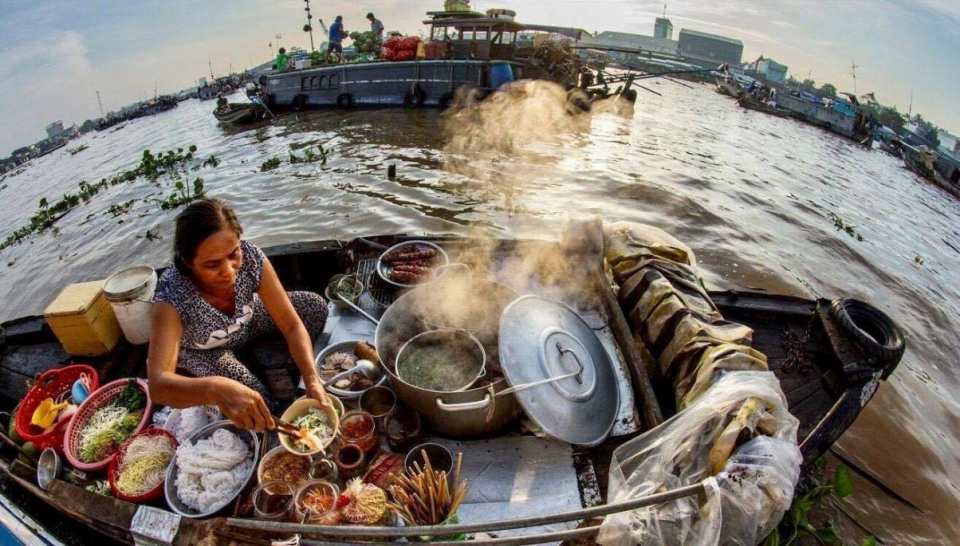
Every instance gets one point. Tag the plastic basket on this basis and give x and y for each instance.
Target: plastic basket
(52, 384)
(103, 396)
(113, 474)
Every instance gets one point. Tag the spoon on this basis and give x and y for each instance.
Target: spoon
(369, 369)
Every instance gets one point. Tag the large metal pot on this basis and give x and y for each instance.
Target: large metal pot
(455, 414)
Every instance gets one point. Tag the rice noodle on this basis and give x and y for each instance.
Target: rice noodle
(212, 471)
(144, 464)
(191, 420)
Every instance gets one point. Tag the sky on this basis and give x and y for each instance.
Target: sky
(55, 55)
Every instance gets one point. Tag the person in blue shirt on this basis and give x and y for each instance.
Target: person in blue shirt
(337, 35)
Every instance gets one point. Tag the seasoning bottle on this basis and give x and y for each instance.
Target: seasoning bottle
(357, 427)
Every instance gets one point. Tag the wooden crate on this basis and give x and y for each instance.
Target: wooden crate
(83, 320)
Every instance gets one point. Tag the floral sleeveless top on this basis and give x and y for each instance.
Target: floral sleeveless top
(204, 326)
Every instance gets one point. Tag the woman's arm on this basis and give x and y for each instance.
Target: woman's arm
(239, 403)
(288, 322)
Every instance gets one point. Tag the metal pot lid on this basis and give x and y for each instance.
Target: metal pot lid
(542, 339)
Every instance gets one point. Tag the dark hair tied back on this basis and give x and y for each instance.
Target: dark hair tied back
(200, 220)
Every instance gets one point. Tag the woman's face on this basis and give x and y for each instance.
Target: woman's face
(217, 261)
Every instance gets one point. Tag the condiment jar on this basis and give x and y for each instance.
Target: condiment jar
(358, 427)
(350, 461)
(273, 500)
(306, 513)
(402, 427)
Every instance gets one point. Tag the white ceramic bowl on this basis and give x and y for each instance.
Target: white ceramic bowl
(299, 408)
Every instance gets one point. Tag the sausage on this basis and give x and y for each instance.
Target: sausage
(405, 277)
(418, 269)
(404, 255)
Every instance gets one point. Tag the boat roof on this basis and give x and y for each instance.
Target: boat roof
(504, 24)
(575, 33)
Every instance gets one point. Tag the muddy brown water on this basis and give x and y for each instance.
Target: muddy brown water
(751, 194)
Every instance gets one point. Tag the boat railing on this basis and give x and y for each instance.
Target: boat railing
(480, 527)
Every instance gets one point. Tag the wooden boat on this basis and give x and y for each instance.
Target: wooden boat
(464, 49)
(760, 107)
(822, 372)
(242, 112)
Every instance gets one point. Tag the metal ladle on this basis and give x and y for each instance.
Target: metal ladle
(369, 369)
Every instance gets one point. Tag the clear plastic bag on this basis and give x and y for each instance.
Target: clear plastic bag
(743, 502)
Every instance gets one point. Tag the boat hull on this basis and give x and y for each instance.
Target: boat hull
(393, 83)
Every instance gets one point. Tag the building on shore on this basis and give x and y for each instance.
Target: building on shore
(709, 50)
(772, 70)
(663, 29)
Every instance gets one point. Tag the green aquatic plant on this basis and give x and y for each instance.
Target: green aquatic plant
(813, 492)
(842, 226)
(170, 163)
(270, 164)
(309, 156)
(117, 210)
(182, 195)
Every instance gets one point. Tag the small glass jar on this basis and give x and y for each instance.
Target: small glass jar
(273, 500)
(358, 427)
(324, 469)
(402, 427)
(315, 502)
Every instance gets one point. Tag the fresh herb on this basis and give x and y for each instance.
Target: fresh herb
(131, 397)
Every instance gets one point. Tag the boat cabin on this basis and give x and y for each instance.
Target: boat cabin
(472, 35)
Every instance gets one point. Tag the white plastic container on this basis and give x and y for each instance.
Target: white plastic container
(303, 63)
(130, 293)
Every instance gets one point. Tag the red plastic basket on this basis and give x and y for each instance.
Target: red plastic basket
(52, 384)
(113, 472)
(103, 396)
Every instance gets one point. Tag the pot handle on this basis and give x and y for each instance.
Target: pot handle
(464, 406)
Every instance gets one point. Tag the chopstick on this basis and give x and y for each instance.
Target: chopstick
(284, 427)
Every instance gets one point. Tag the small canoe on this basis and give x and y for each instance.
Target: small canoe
(760, 107)
(240, 113)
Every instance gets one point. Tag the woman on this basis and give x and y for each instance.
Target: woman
(222, 293)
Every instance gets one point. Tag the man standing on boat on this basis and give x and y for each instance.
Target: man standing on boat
(282, 60)
(336, 38)
(376, 27)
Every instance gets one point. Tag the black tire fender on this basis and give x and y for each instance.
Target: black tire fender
(445, 100)
(298, 102)
(345, 101)
(871, 329)
(414, 97)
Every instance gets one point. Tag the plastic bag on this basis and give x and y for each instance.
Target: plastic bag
(743, 502)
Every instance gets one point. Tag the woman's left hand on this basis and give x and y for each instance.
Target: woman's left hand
(316, 391)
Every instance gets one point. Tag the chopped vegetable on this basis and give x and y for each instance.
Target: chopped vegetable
(314, 430)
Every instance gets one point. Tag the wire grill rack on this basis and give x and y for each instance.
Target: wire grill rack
(380, 294)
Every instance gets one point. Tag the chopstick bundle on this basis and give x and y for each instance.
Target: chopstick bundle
(423, 496)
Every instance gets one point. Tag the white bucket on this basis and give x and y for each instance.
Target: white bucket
(130, 293)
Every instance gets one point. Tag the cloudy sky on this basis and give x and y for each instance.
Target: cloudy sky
(55, 55)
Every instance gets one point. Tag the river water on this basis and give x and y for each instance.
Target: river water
(751, 194)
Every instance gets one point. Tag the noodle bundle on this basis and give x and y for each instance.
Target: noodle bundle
(212, 471)
(144, 464)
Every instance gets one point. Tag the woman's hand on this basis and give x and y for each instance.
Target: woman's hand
(316, 391)
(243, 405)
